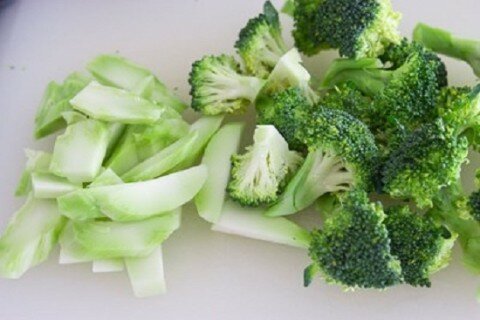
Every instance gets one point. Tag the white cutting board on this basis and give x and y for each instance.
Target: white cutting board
(209, 275)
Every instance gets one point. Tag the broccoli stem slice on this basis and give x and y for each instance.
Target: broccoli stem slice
(321, 173)
(444, 42)
(251, 223)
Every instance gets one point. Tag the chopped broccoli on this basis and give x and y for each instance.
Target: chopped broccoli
(353, 248)
(427, 160)
(342, 155)
(450, 206)
(460, 108)
(474, 205)
(260, 43)
(289, 72)
(422, 246)
(217, 86)
(361, 28)
(258, 176)
(280, 109)
(442, 41)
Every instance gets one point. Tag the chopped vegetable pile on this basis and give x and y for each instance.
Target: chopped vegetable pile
(381, 123)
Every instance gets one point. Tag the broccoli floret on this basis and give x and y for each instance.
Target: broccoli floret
(427, 160)
(450, 206)
(407, 94)
(353, 248)
(280, 110)
(360, 28)
(442, 41)
(397, 55)
(346, 97)
(460, 108)
(474, 205)
(422, 246)
(218, 87)
(258, 176)
(260, 43)
(289, 72)
(342, 155)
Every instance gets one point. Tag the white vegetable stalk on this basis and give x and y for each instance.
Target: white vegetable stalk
(37, 161)
(49, 186)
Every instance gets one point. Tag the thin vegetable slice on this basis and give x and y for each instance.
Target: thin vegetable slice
(217, 158)
(147, 274)
(37, 161)
(50, 186)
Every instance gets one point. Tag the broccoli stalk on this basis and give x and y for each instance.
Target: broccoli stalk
(257, 176)
(217, 86)
(442, 41)
(260, 43)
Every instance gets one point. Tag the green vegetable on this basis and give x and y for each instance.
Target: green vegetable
(79, 152)
(353, 247)
(49, 186)
(357, 28)
(260, 43)
(422, 246)
(134, 201)
(258, 175)
(179, 155)
(442, 41)
(253, 224)
(91, 240)
(218, 87)
(146, 274)
(37, 161)
(226, 142)
(112, 104)
(55, 102)
(342, 155)
(118, 72)
(30, 237)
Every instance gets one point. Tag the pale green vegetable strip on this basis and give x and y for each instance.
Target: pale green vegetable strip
(206, 128)
(163, 161)
(50, 186)
(107, 239)
(140, 142)
(73, 116)
(217, 157)
(56, 101)
(251, 223)
(78, 153)
(119, 72)
(137, 200)
(29, 237)
(107, 178)
(115, 132)
(147, 274)
(70, 251)
(115, 105)
(108, 265)
(37, 161)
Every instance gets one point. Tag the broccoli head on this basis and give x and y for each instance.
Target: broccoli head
(428, 159)
(260, 43)
(460, 108)
(258, 175)
(353, 247)
(280, 109)
(474, 205)
(217, 86)
(342, 155)
(422, 246)
(442, 41)
(450, 207)
(360, 28)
